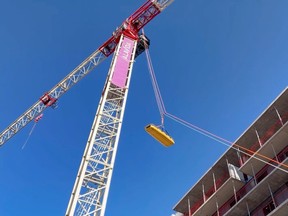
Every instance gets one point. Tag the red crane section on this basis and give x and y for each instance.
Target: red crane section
(132, 25)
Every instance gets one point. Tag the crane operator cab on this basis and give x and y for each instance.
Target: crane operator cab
(159, 135)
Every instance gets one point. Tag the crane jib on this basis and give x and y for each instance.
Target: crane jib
(132, 25)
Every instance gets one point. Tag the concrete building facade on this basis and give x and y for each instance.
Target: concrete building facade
(251, 177)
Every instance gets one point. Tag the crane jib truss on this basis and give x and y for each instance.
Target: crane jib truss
(133, 23)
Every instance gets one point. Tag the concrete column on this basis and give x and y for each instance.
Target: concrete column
(234, 190)
(227, 162)
(214, 181)
(254, 176)
(274, 152)
(189, 207)
(279, 116)
(271, 194)
(217, 206)
(203, 191)
(248, 211)
(239, 158)
(260, 143)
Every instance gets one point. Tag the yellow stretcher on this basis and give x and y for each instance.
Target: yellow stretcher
(159, 135)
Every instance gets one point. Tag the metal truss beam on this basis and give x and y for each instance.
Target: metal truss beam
(57, 91)
(90, 192)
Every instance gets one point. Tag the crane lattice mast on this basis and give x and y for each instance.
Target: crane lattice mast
(92, 184)
(91, 188)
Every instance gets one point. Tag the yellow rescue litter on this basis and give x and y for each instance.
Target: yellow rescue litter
(159, 135)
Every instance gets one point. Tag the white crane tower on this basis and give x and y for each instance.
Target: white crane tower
(91, 188)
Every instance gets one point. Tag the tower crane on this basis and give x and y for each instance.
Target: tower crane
(91, 188)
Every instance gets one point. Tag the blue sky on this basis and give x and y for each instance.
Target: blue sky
(219, 64)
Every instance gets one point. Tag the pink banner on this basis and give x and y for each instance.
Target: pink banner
(122, 63)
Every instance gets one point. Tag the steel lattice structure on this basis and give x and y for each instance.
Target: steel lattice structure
(93, 180)
(90, 191)
(57, 91)
(138, 20)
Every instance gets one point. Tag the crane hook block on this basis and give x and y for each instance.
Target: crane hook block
(159, 135)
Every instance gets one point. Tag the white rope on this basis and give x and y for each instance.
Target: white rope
(163, 112)
(155, 86)
(221, 141)
(30, 133)
(154, 83)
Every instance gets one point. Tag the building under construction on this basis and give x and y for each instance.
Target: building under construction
(251, 177)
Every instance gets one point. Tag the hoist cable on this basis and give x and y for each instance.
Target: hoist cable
(163, 112)
(229, 144)
(154, 84)
(29, 135)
